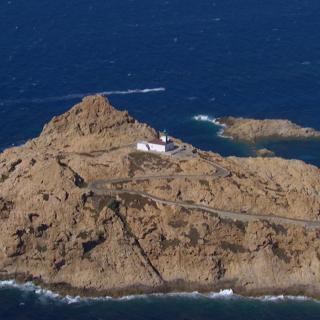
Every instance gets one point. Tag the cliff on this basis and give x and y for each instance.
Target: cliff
(82, 212)
(251, 130)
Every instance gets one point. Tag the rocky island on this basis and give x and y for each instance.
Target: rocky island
(251, 130)
(83, 212)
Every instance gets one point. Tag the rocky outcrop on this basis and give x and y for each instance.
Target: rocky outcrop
(251, 130)
(57, 230)
(90, 126)
(264, 153)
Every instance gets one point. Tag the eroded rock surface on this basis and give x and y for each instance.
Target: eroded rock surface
(251, 130)
(57, 230)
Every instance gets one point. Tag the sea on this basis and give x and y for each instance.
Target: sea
(177, 65)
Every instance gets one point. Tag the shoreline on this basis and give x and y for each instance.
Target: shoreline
(246, 130)
(71, 294)
(252, 131)
(214, 121)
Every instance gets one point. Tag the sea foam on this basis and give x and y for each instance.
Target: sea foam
(206, 118)
(281, 298)
(227, 293)
(47, 295)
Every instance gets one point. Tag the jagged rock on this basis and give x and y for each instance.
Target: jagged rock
(251, 130)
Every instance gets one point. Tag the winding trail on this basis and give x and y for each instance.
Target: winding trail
(99, 187)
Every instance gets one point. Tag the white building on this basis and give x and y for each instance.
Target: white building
(164, 144)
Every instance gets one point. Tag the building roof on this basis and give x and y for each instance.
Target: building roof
(158, 141)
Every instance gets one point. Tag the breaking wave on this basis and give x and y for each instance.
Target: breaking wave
(28, 287)
(285, 298)
(82, 95)
(206, 118)
(45, 295)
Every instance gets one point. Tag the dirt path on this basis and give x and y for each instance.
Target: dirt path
(99, 187)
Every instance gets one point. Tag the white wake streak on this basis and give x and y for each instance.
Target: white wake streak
(82, 95)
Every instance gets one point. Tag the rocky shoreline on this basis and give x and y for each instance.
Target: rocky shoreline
(71, 238)
(177, 287)
(253, 130)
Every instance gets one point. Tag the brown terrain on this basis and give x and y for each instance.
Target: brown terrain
(83, 212)
(251, 130)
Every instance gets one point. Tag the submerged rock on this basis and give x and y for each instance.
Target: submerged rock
(265, 153)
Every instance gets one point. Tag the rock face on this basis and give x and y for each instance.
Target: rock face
(143, 231)
(251, 130)
(92, 125)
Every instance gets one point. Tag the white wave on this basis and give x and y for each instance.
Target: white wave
(29, 287)
(70, 299)
(45, 295)
(7, 283)
(222, 135)
(206, 118)
(203, 117)
(281, 298)
(82, 95)
(226, 293)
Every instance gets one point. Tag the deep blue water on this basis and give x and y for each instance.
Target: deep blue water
(251, 58)
(225, 57)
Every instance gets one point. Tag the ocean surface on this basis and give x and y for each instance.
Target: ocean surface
(30, 302)
(166, 62)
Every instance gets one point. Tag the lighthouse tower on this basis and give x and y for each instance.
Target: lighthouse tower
(162, 144)
(164, 137)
